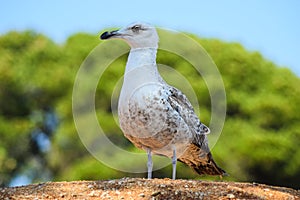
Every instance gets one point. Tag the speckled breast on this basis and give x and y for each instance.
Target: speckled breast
(148, 120)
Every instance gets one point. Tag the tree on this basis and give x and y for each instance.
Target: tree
(38, 138)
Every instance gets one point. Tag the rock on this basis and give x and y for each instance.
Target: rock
(136, 188)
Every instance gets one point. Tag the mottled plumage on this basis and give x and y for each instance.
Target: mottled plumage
(155, 116)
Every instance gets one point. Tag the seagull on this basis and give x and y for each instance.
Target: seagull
(155, 116)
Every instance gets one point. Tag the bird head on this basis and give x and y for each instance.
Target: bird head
(137, 35)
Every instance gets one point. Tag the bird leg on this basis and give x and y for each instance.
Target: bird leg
(149, 163)
(174, 160)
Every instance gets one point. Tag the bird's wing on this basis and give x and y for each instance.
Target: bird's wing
(182, 105)
(197, 155)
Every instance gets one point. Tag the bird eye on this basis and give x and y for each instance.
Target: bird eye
(136, 28)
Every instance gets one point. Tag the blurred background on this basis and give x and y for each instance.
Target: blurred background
(255, 45)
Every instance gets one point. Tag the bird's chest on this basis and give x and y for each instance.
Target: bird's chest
(143, 111)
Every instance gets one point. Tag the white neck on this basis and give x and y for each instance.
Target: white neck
(141, 67)
(141, 70)
(140, 57)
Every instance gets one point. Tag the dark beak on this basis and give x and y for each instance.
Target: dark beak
(106, 35)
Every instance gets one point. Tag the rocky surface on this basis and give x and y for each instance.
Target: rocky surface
(136, 188)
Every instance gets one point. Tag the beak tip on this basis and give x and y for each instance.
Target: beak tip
(109, 34)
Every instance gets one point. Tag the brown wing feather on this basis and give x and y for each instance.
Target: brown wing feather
(201, 161)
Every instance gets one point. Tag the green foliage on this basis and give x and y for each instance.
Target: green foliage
(260, 138)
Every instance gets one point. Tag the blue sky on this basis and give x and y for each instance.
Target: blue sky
(270, 26)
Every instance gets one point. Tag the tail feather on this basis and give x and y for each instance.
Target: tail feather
(202, 162)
